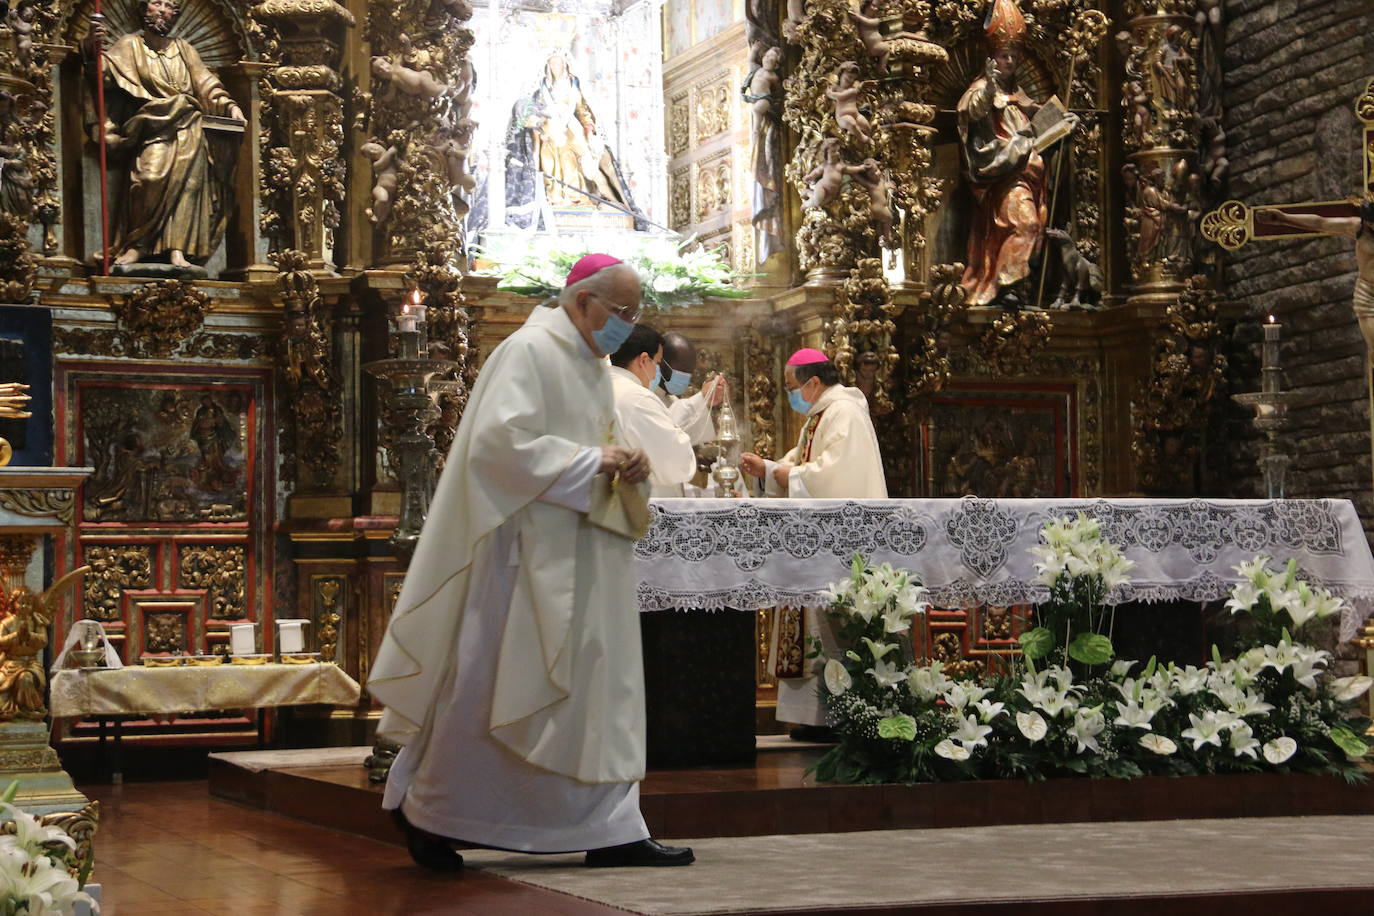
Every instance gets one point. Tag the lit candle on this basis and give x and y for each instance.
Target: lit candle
(406, 321)
(1270, 364)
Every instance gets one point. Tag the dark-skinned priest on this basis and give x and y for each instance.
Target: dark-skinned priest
(511, 670)
(836, 457)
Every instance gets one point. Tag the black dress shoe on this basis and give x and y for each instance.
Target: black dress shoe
(426, 849)
(645, 852)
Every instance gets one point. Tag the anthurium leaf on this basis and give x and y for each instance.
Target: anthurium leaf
(1036, 643)
(902, 726)
(1091, 649)
(1346, 740)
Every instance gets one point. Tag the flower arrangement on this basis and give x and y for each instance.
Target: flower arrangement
(672, 277)
(1274, 706)
(36, 870)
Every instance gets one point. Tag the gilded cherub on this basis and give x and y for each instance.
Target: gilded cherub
(23, 637)
(827, 176)
(845, 95)
(866, 22)
(871, 176)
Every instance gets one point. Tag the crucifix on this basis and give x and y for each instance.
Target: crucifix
(1233, 224)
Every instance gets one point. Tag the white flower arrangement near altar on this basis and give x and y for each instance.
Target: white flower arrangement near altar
(675, 274)
(36, 867)
(1081, 711)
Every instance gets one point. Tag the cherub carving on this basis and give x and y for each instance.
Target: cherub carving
(866, 22)
(1082, 283)
(796, 10)
(454, 154)
(418, 83)
(385, 161)
(20, 22)
(871, 176)
(23, 637)
(827, 176)
(845, 94)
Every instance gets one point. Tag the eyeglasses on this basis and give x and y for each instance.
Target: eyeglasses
(628, 313)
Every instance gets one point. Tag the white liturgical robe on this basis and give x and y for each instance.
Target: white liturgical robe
(511, 670)
(836, 457)
(692, 414)
(645, 424)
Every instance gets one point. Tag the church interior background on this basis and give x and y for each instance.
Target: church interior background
(257, 446)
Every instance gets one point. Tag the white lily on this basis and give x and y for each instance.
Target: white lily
(1121, 667)
(1280, 749)
(1032, 725)
(951, 751)
(927, 682)
(910, 601)
(1243, 597)
(1225, 719)
(879, 649)
(1243, 743)
(837, 679)
(1280, 657)
(837, 592)
(1349, 688)
(1188, 681)
(987, 710)
(894, 621)
(1131, 715)
(961, 694)
(1255, 572)
(1251, 703)
(971, 733)
(1307, 666)
(1205, 730)
(887, 674)
(1088, 723)
(1057, 703)
(1158, 744)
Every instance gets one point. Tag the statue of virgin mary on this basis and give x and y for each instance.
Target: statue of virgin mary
(554, 132)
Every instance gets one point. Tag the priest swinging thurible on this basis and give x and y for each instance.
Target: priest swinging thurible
(511, 670)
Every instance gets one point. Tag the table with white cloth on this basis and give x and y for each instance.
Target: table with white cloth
(114, 693)
(754, 554)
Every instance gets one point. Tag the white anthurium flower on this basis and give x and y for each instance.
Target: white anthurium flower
(1243, 597)
(1158, 744)
(1205, 730)
(951, 751)
(837, 679)
(987, 710)
(1121, 667)
(1280, 749)
(887, 674)
(1188, 681)
(971, 733)
(879, 649)
(1350, 688)
(1251, 704)
(1132, 715)
(1032, 725)
(1243, 743)
(1088, 723)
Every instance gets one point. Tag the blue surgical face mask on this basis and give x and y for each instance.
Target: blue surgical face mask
(675, 382)
(612, 334)
(800, 404)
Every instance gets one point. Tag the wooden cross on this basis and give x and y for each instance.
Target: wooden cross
(1234, 224)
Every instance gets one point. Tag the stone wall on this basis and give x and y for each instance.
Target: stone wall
(1293, 69)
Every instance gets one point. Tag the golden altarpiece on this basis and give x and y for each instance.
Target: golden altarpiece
(248, 440)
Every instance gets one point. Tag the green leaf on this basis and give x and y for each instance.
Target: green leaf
(10, 792)
(1348, 741)
(1091, 649)
(902, 726)
(1036, 643)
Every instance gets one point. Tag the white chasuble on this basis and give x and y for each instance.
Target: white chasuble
(836, 457)
(645, 424)
(511, 668)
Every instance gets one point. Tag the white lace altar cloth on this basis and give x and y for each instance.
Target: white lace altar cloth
(751, 554)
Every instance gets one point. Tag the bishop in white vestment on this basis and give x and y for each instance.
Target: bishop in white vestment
(836, 457)
(511, 670)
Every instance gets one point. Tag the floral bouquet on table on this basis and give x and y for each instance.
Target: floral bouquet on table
(37, 873)
(675, 272)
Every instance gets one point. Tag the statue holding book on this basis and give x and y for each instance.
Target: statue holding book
(1003, 132)
(166, 178)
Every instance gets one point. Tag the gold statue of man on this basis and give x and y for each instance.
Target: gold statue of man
(23, 637)
(158, 92)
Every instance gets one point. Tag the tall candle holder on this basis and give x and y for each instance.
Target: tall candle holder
(1270, 405)
(408, 373)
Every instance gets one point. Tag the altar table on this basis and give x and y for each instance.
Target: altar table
(751, 554)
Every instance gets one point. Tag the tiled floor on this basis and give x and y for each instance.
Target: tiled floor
(169, 848)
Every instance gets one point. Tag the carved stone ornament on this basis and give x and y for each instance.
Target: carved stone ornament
(157, 317)
(59, 504)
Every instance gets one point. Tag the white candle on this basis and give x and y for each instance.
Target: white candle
(1270, 356)
(243, 639)
(291, 636)
(406, 321)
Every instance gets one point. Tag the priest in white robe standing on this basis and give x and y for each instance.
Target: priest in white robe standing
(511, 670)
(836, 457)
(691, 414)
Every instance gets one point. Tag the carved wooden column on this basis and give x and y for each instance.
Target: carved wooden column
(302, 170)
(1161, 137)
